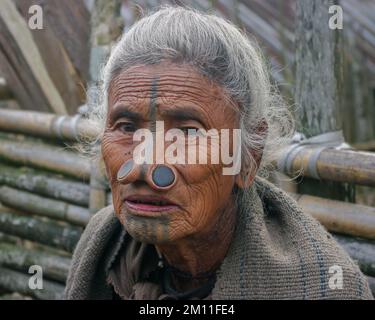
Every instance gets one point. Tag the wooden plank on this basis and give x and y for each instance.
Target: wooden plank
(319, 83)
(16, 71)
(63, 29)
(69, 22)
(20, 32)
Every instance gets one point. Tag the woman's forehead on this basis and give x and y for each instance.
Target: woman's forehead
(164, 78)
(166, 83)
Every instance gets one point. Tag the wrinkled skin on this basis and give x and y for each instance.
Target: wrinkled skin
(196, 235)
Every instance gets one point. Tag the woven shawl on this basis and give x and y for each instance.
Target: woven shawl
(277, 252)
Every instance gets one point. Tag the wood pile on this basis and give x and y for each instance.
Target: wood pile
(47, 196)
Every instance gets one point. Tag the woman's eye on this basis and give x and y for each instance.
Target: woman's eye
(127, 127)
(194, 132)
(191, 131)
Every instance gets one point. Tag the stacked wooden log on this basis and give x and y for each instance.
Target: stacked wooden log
(44, 200)
(48, 193)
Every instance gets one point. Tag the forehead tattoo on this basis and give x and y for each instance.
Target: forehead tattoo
(152, 116)
(153, 105)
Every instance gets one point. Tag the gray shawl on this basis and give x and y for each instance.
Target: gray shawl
(278, 252)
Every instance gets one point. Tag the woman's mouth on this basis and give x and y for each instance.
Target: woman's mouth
(149, 204)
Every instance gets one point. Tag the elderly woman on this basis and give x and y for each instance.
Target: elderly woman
(186, 230)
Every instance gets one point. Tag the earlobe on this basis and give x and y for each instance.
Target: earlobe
(246, 177)
(244, 181)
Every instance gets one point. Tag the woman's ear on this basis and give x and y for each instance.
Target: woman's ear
(244, 181)
(247, 175)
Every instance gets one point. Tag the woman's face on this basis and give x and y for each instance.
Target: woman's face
(183, 99)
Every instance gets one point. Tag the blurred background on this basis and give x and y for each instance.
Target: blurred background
(51, 51)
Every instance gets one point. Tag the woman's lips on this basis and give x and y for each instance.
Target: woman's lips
(149, 207)
(149, 204)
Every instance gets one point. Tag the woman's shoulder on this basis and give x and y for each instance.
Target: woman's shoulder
(102, 217)
(95, 249)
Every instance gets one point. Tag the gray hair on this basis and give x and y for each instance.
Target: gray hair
(218, 50)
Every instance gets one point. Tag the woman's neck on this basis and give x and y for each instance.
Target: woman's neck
(200, 254)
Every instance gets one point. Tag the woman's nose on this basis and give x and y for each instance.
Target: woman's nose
(159, 177)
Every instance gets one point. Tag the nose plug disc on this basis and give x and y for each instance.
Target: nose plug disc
(163, 176)
(125, 170)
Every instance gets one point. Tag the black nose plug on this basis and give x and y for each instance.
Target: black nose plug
(160, 176)
(163, 176)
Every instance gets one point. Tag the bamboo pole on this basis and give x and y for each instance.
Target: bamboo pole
(15, 281)
(361, 251)
(54, 209)
(47, 125)
(8, 238)
(27, 244)
(45, 184)
(45, 156)
(19, 258)
(341, 217)
(337, 165)
(45, 231)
